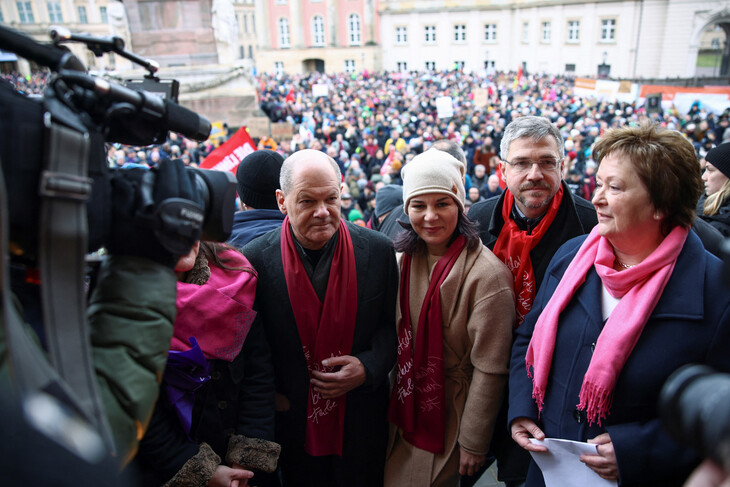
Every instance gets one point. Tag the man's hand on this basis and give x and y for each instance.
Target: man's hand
(229, 477)
(469, 463)
(332, 385)
(604, 464)
(522, 430)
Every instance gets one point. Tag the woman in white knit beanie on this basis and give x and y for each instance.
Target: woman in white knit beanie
(455, 317)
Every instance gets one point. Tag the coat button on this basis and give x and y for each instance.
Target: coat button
(593, 347)
(222, 404)
(579, 416)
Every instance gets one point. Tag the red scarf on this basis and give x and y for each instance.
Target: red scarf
(639, 288)
(219, 313)
(420, 411)
(326, 330)
(513, 247)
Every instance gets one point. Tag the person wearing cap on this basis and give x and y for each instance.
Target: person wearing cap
(715, 208)
(455, 318)
(258, 179)
(326, 295)
(525, 226)
(388, 210)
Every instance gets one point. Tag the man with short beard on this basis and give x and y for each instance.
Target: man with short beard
(524, 227)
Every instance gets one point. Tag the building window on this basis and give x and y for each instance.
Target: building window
(253, 23)
(104, 17)
(401, 66)
(54, 12)
(570, 68)
(318, 30)
(250, 52)
(278, 67)
(430, 33)
(283, 32)
(525, 32)
(281, 2)
(608, 30)
(83, 19)
(490, 32)
(460, 33)
(349, 65)
(353, 27)
(241, 52)
(2, 19)
(25, 12)
(546, 31)
(245, 23)
(573, 31)
(430, 65)
(401, 36)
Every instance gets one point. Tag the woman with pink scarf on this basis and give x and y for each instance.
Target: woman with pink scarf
(618, 311)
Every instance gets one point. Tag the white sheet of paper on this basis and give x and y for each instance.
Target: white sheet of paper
(561, 465)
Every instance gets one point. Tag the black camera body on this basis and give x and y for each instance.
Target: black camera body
(101, 112)
(694, 408)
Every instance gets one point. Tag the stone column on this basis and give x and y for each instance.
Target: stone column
(295, 24)
(332, 21)
(262, 22)
(369, 23)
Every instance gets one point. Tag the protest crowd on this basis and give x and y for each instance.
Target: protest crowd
(414, 291)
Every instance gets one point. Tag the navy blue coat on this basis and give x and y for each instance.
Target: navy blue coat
(690, 324)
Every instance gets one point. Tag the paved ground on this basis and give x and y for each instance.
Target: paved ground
(489, 479)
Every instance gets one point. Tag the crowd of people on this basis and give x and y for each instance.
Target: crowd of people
(407, 297)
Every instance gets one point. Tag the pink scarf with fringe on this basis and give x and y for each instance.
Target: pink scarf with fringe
(639, 288)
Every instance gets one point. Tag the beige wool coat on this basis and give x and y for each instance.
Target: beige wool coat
(478, 310)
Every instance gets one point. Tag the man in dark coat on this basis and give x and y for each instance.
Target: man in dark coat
(542, 214)
(258, 179)
(302, 267)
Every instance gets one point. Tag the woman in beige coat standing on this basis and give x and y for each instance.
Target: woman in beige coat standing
(455, 317)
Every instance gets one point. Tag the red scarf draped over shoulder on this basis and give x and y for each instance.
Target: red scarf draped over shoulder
(325, 329)
(513, 247)
(417, 403)
(639, 288)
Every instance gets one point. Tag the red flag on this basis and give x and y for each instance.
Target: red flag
(519, 73)
(290, 96)
(229, 155)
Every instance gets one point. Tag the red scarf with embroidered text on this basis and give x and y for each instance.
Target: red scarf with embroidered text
(417, 402)
(325, 329)
(513, 247)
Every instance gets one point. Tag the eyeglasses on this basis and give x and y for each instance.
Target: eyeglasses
(525, 165)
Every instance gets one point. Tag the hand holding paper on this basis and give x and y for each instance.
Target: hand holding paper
(561, 464)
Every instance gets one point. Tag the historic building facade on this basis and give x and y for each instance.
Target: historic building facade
(624, 39)
(318, 35)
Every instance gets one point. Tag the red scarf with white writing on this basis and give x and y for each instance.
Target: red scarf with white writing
(513, 247)
(326, 330)
(417, 404)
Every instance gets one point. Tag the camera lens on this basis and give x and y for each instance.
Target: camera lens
(695, 410)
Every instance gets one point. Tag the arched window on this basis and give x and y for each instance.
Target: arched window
(283, 32)
(318, 30)
(353, 27)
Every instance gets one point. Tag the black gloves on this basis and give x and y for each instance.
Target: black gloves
(156, 214)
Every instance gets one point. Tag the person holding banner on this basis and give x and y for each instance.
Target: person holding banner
(326, 295)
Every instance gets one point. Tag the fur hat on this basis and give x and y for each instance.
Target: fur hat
(433, 171)
(720, 158)
(258, 179)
